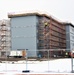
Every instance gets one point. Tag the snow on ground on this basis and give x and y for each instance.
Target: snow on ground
(52, 66)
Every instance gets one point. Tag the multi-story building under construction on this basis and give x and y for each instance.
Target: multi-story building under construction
(34, 32)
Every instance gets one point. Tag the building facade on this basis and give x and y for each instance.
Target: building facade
(24, 34)
(69, 36)
(34, 31)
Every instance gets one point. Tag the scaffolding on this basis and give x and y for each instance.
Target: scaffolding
(51, 35)
(44, 33)
(4, 37)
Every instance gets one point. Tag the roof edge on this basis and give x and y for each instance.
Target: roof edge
(31, 14)
(69, 24)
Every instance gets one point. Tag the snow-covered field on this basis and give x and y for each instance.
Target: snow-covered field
(52, 66)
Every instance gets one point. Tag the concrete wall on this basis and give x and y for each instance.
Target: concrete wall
(23, 31)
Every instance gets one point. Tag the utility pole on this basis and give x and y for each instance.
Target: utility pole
(72, 62)
(26, 63)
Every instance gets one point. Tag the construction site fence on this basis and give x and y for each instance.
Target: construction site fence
(33, 57)
(39, 53)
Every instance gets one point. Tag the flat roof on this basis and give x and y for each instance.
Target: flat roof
(26, 14)
(31, 14)
(70, 24)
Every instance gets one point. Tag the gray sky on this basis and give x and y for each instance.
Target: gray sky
(61, 9)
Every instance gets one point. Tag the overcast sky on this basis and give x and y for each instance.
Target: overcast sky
(61, 9)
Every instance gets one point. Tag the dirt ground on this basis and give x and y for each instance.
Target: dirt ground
(30, 59)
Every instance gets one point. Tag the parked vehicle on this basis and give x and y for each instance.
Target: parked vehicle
(17, 54)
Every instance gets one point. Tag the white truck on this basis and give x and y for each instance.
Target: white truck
(17, 54)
